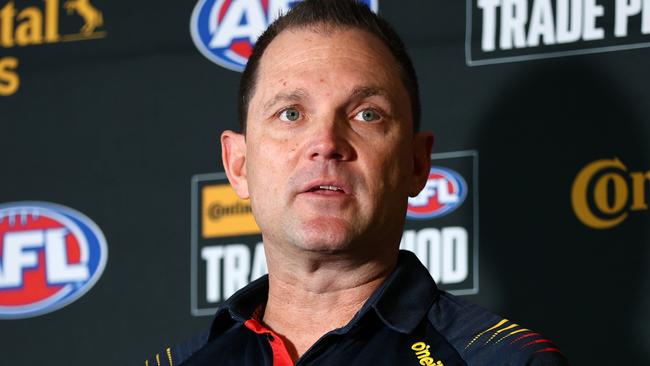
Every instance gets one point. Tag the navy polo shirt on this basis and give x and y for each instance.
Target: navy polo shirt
(407, 321)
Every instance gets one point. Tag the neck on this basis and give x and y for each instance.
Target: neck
(315, 294)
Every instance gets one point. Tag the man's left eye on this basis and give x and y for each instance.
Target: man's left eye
(367, 115)
(290, 115)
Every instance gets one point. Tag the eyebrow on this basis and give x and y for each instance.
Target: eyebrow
(369, 91)
(293, 96)
(301, 94)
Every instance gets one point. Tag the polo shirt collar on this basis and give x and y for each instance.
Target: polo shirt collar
(240, 307)
(406, 296)
(401, 302)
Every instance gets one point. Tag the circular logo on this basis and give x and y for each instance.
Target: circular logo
(50, 255)
(225, 31)
(444, 192)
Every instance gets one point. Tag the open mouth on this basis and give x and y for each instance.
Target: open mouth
(328, 189)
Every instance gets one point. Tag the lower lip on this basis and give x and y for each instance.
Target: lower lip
(326, 193)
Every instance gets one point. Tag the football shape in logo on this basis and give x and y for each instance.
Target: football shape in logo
(226, 30)
(444, 192)
(50, 255)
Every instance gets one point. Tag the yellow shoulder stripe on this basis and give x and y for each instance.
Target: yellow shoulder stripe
(168, 352)
(501, 330)
(512, 333)
(503, 321)
(169, 356)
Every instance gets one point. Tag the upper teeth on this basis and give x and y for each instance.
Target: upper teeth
(331, 188)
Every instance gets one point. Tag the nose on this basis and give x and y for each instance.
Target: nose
(330, 141)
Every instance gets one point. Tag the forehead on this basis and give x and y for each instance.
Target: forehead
(346, 56)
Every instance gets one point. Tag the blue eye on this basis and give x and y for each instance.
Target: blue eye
(367, 115)
(290, 115)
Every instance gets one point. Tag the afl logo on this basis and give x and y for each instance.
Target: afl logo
(50, 255)
(444, 192)
(226, 30)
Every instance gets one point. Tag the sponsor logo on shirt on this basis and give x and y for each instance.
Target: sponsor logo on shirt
(423, 354)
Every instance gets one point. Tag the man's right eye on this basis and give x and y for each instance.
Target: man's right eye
(290, 115)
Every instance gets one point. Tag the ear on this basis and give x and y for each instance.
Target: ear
(422, 145)
(233, 155)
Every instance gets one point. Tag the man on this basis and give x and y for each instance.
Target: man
(328, 154)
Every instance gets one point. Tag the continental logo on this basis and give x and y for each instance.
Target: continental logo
(224, 213)
(217, 211)
(605, 192)
(46, 22)
(424, 355)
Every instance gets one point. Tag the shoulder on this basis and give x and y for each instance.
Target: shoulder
(483, 338)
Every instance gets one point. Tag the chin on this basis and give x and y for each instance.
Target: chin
(325, 235)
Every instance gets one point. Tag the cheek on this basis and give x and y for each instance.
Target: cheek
(263, 185)
(268, 167)
(396, 160)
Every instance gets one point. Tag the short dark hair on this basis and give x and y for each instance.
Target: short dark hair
(335, 14)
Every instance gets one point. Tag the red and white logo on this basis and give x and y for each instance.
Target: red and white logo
(50, 255)
(444, 192)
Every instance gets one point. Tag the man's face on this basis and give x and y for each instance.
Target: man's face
(329, 156)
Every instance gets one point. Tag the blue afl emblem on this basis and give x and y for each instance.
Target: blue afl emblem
(225, 31)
